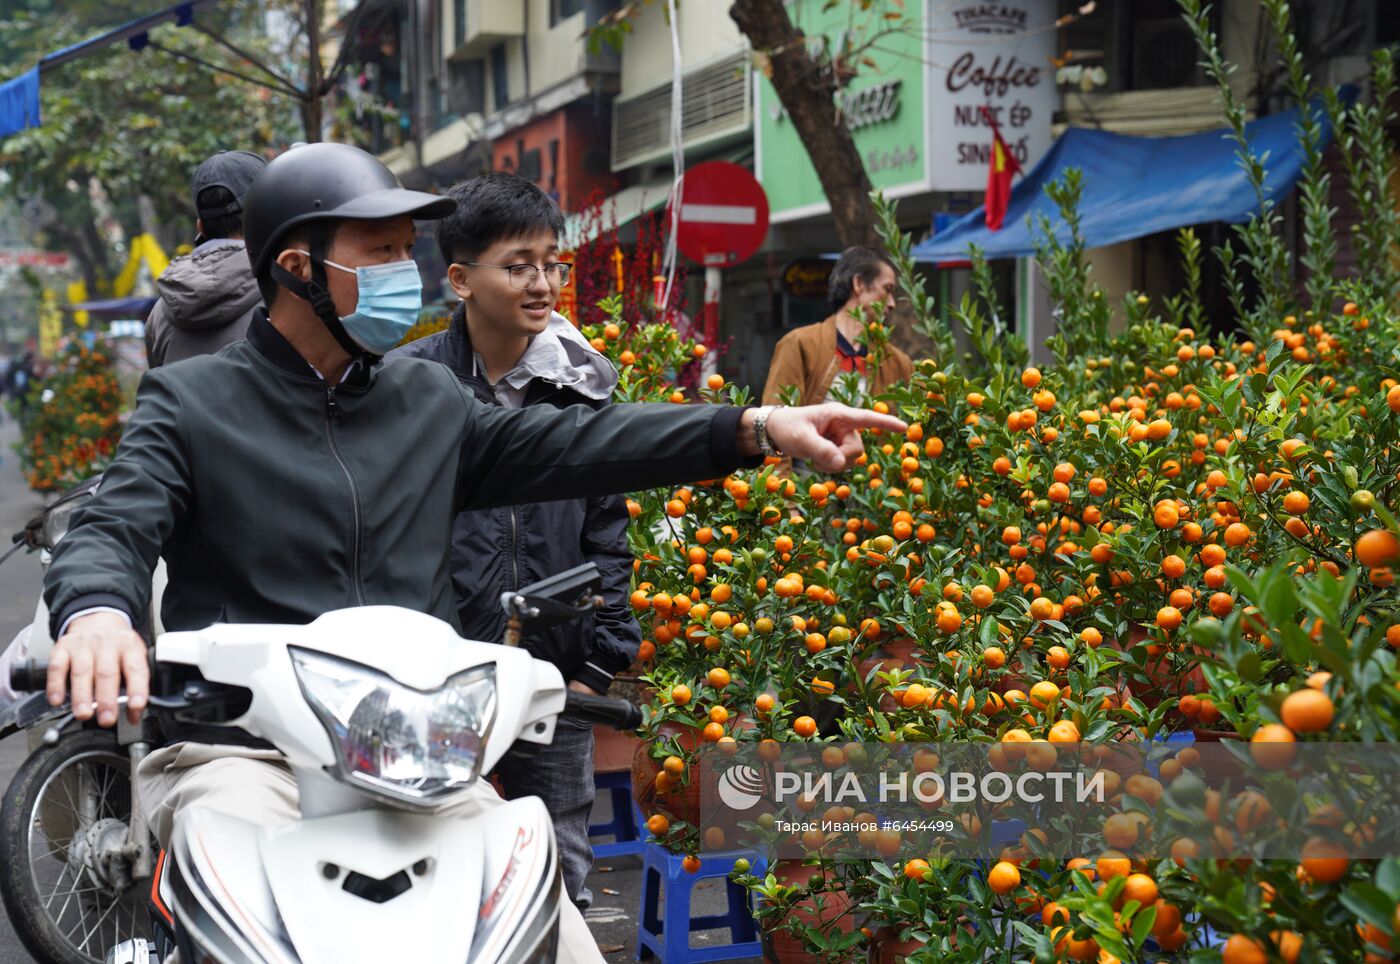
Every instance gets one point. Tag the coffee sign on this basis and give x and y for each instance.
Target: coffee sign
(996, 61)
(808, 278)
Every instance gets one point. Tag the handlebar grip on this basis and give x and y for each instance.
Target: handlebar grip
(603, 710)
(30, 676)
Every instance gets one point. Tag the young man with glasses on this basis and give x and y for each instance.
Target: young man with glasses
(508, 346)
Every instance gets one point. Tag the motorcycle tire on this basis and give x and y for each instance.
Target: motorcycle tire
(81, 927)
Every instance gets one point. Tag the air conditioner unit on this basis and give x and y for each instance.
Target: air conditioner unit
(716, 103)
(1165, 56)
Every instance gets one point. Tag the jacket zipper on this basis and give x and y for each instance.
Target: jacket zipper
(354, 497)
(514, 526)
(514, 560)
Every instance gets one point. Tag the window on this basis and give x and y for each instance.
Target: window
(459, 22)
(564, 9)
(500, 76)
(1143, 45)
(466, 91)
(1160, 49)
(1387, 24)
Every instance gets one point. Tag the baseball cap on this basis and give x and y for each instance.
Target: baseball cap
(234, 171)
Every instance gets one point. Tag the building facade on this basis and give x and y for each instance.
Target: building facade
(518, 85)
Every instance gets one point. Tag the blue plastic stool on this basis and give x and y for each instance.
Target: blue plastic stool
(625, 825)
(670, 938)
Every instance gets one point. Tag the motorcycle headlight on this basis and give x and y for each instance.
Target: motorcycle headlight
(414, 746)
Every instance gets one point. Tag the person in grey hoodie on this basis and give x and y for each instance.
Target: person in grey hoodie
(208, 296)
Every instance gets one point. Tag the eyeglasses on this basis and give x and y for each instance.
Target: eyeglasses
(524, 275)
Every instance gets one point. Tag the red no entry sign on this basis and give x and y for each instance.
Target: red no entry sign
(724, 214)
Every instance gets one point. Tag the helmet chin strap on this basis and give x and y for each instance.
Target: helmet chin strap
(317, 293)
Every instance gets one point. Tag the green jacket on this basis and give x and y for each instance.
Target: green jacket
(274, 498)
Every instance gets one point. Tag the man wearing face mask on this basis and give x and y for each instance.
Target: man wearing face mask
(336, 483)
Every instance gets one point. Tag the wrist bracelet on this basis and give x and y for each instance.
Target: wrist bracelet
(760, 432)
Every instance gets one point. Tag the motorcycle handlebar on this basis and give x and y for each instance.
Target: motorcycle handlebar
(30, 676)
(619, 714)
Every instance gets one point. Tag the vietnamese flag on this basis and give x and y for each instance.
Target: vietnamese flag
(1003, 167)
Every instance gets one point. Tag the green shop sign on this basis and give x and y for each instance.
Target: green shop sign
(883, 106)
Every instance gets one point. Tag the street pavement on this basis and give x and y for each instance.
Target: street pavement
(20, 578)
(616, 883)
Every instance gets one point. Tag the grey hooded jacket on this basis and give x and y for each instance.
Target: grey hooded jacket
(207, 298)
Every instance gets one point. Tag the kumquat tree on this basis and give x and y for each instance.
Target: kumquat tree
(1163, 539)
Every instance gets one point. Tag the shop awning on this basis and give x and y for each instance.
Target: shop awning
(1133, 187)
(19, 97)
(621, 208)
(133, 307)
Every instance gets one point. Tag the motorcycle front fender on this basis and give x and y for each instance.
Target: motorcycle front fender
(28, 712)
(370, 885)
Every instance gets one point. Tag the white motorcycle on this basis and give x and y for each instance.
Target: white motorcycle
(386, 718)
(72, 875)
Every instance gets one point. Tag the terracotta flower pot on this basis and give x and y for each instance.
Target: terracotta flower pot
(1164, 681)
(782, 946)
(613, 750)
(888, 949)
(900, 649)
(683, 804)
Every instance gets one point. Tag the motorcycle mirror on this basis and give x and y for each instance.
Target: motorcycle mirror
(561, 598)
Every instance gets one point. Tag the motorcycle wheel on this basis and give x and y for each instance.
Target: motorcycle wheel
(60, 801)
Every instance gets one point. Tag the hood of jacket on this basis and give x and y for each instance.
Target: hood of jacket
(210, 287)
(561, 356)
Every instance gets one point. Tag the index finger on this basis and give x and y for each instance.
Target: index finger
(867, 419)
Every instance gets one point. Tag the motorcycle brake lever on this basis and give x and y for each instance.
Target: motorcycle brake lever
(54, 732)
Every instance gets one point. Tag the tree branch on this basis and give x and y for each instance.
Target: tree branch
(807, 90)
(239, 51)
(278, 88)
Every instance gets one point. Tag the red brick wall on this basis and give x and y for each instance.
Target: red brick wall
(565, 153)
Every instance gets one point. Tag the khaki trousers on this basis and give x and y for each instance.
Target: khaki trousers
(256, 785)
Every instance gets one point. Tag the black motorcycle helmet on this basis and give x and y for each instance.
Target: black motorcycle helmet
(310, 186)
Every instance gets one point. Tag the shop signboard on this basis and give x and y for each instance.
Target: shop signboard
(807, 278)
(33, 259)
(994, 62)
(915, 107)
(883, 106)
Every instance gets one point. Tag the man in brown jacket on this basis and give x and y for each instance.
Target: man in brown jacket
(813, 356)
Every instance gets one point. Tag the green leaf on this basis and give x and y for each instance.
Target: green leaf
(1388, 878)
(1371, 904)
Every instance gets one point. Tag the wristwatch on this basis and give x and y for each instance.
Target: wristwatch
(760, 432)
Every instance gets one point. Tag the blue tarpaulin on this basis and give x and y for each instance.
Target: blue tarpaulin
(19, 103)
(1133, 187)
(132, 307)
(19, 97)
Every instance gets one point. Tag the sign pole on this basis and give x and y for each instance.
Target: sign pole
(713, 285)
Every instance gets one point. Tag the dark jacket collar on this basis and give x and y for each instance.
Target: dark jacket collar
(273, 346)
(460, 356)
